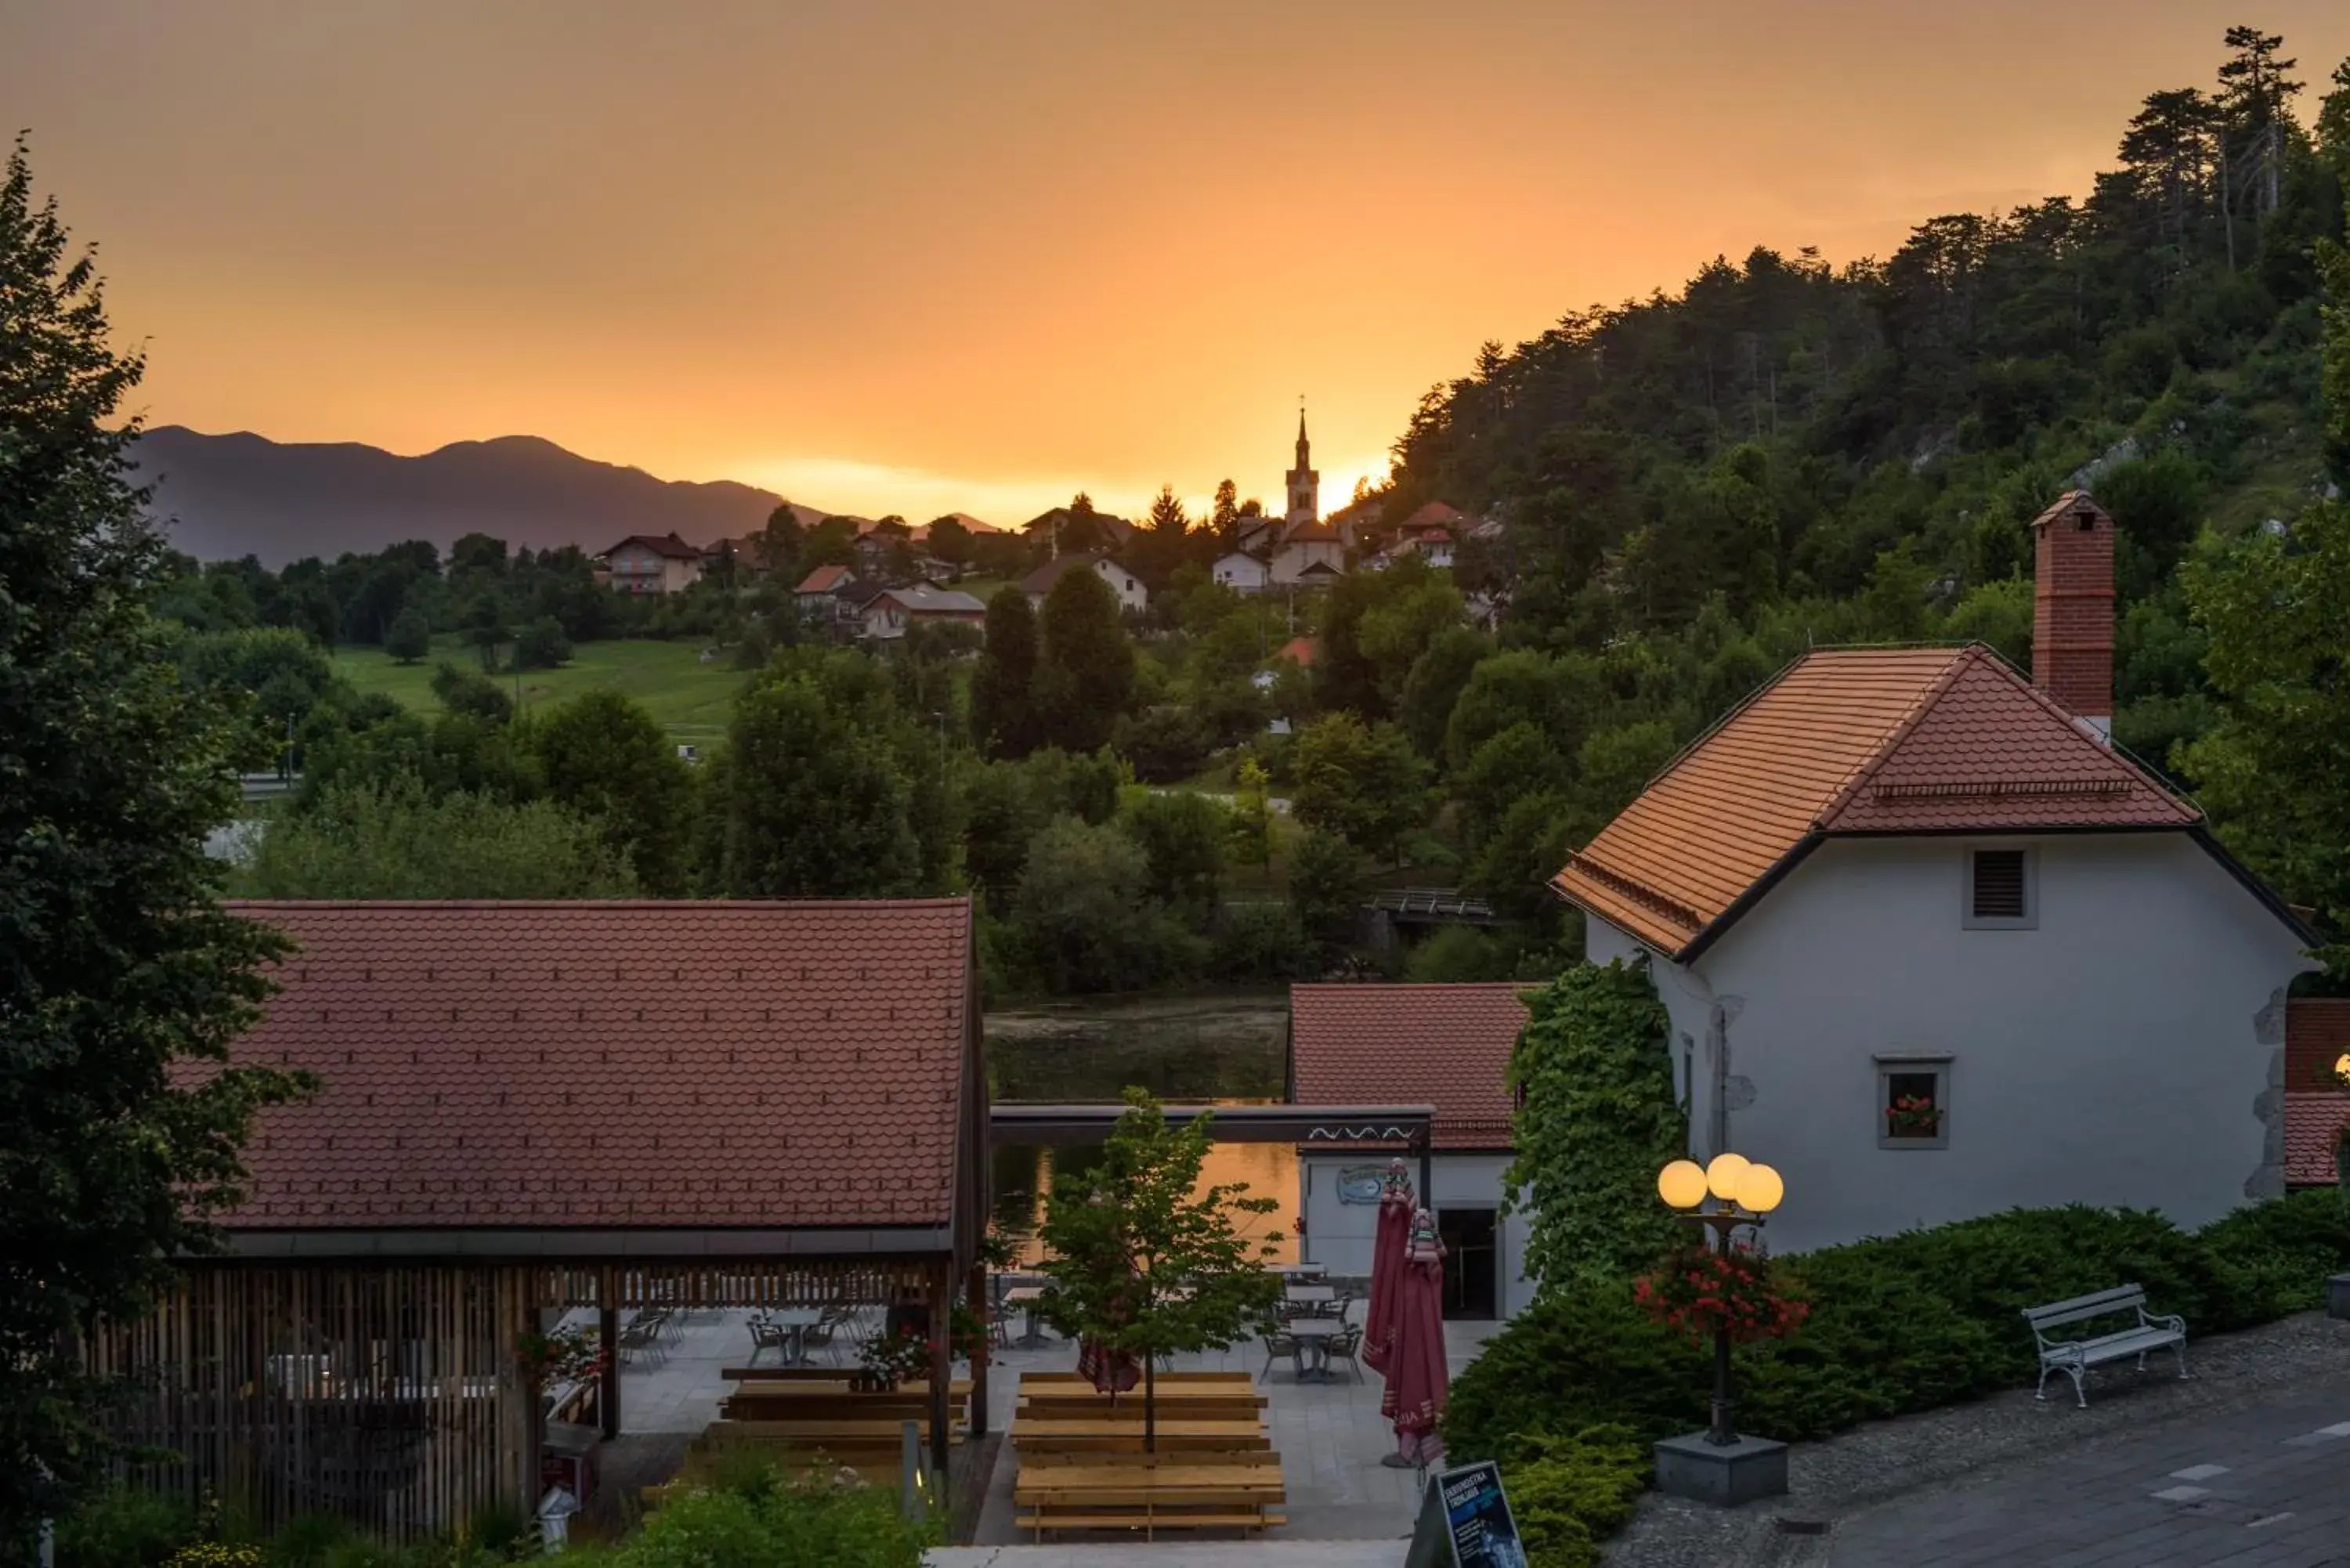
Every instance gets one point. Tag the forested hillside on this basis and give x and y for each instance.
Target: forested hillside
(1800, 450)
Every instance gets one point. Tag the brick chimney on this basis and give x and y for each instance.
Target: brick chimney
(2072, 609)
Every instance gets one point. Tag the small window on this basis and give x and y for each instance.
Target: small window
(2000, 889)
(1913, 1102)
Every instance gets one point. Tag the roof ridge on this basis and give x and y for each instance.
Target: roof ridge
(1892, 738)
(2120, 754)
(603, 906)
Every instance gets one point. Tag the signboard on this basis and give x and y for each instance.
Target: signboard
(1361, 1183)
(1465, 1522)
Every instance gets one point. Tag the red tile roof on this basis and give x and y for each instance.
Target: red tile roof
(1910, 740)
(1443, 1045)
(1433, 515)
(823, 580)
(613, 1064)
(2312, 1125)
(668, 544)
(1299, 650)
(2316, 1035)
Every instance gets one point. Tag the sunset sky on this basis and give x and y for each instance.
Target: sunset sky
(923, 256)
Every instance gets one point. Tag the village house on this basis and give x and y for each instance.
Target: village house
(1132, 597)
(1242, 572)
(1442, 1046)
(647, 563)
(1934, 948)
(890, 611)
(531, 1108)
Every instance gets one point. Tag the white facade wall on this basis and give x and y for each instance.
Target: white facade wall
(2126, 1050)
(1339, 1236)
(1245, 574)
(1131, 594)
(1290, 562)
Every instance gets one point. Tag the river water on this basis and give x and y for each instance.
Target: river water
(1222, 1046)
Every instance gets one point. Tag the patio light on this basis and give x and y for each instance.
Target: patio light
(1722, 1176)
(1682, 1184)
(1760, 1189)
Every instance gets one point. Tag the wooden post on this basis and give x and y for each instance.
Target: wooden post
(975, 1293)
(608, 1332)
(942, 1360)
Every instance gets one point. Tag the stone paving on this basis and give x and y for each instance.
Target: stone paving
(2269, 1487)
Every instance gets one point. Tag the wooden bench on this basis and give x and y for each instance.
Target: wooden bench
(1150, 1492)
(2075, 1356)
(1166, 1380)
(1032, 1435)
(1215, 1406)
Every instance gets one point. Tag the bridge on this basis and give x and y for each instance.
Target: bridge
(1433, 907)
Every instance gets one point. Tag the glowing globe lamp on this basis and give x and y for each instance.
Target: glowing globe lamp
(1724, 1174)
(1682, 1184)
(1760, 1189)
(2342, 1068)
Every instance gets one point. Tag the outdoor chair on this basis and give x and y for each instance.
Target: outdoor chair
(764, 1335)
(822, 1335)
(639, 1339)
(1278, 1345)
(1346, 1348)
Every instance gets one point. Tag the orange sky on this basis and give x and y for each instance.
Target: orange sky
(916, 256)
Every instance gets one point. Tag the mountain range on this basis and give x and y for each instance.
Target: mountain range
(224, 496)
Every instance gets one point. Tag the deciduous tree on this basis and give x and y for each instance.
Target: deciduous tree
(118, 966)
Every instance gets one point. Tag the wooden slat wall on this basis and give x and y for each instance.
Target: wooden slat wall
(391, 1394)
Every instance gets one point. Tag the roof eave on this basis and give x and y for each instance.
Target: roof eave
(1756, 891)
(2308, 934)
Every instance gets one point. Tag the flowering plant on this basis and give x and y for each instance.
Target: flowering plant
(893, 1359)
(567, 1355)
(216, 1554)
(1699, 1292)
(1913, 1115)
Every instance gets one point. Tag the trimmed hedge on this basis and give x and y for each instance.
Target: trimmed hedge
(1898, 1323)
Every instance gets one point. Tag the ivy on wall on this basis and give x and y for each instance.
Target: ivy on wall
(1597, 1119)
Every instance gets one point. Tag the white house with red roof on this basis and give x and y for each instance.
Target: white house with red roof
(1934, 948)
(652, 563)
(1441, 1045)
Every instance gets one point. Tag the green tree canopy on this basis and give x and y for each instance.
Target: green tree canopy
(1004, 686)
(398, 839)
(116, 965)
(1363, 783)
(604, 757)
(818, 803)
(1085, 677)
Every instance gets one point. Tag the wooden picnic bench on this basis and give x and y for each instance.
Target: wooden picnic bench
(1030, 1381)
(832, 1398)
(1032, 1435)
(1150, 1492)
(2075, 1356)
(1215, 1405)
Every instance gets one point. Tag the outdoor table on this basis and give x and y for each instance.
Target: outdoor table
(795, 1321)
(1313, 1297)
(1309, 1333)
(1026, 1297)
(1296, 1271)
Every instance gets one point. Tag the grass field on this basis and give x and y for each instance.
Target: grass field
(691, 699)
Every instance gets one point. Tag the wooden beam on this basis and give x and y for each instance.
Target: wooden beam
(941, 1362)
(975, 1293)
(607, 1329)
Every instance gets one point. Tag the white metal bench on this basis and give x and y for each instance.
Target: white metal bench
(2075, 1356)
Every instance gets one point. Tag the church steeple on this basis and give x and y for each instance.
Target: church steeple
(1305, 483)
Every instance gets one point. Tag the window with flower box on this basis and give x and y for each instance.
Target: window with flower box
(1913, 1108)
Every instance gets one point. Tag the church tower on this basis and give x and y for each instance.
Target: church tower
(1304, 484)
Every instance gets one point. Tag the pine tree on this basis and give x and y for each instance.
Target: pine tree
(116, 964)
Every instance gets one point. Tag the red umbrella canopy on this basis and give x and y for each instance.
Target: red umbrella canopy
(1390, 1242)
(1417, 1376)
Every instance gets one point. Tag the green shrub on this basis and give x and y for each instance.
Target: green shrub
(1898, 1323)
(121, 1526)
(1567, 1493)
(757, 1514)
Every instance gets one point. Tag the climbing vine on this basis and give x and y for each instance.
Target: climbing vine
(1596, 1120)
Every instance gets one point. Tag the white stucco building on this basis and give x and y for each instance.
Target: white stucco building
(1933, 948)
(1132, 597)
(1242, 572)
(652, 563)
(1443, 1045)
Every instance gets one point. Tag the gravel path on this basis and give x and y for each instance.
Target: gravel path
(1971, 1444)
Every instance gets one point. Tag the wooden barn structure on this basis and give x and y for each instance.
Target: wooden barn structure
(533, 1107)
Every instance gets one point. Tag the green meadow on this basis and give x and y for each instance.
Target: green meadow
(690, 699)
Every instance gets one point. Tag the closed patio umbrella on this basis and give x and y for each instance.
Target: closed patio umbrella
(1389, 1243)
(1417, 1376)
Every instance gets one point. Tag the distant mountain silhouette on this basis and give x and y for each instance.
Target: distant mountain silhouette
(224, 496)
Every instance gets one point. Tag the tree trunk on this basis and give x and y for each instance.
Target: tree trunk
(1149, 1402)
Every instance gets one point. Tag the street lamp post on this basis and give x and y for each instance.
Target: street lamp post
(1729, 1192)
